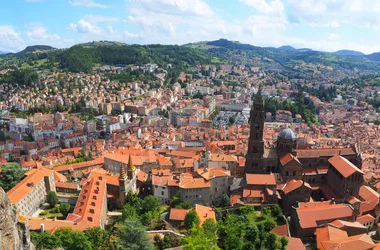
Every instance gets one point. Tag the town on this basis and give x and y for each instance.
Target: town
(78, 149)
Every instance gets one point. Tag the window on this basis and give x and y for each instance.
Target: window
(287, 173)
(294, 173)
(162, 192)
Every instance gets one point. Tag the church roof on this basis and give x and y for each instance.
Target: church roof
(287, 134)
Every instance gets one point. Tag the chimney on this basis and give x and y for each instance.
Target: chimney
(42, 228)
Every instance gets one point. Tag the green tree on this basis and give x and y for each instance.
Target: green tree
(284, 242)
(96, 236)
(132, 236)
(72, 240)
(209, 227)
(128, 212)
(150, 204)
(10, 175)
(197, 239)
(45, 240)
(64, 208)
(52, 198)
(191, 219)
(271, 241)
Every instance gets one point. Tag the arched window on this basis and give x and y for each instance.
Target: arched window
(313, 180)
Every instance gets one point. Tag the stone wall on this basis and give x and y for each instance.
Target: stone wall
(14, 229)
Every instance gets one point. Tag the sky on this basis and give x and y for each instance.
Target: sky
(326, 25)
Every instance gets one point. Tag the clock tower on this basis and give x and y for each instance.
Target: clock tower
(255, 151)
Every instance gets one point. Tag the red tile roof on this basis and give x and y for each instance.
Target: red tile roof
(328, 233)
(260, 179)
(293, 184)
(309, 216)
(344, 166)
(178, 214)
(365, 219)
(359, 242)
(205, 213)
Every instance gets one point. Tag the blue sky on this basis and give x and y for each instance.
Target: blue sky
(327, 25)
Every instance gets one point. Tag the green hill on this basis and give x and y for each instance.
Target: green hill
(35, 49)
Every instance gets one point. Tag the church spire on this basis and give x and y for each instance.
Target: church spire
(122, 172)
(131, 167)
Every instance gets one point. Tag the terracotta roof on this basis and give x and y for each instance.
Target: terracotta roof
(359, 242)
(33, 177)
(96, 162)
(90, 201)
(195, 183)
(315, 153)
(260, 179)
(367, 193)
(142, 176)
(222, 158)
(209, 173)
(344, 166)
(344, 224)
(281, 230)
(59, 177)
(288, 158)
(178, 214)
(365, 219)
(293, 185)
(68, 185)
(295, 244)
(328, 233)
(101, 173)
(309, 216)
(253, 193)
(51, 225)
(204, 213)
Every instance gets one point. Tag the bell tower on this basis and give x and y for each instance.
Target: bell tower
(256, 142)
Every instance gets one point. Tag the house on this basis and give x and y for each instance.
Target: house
(260, 189)
(220, 180)
(177, 216)
(30, 193)
(292, 192)
(195, 190)
(343, 177)
(308, 216)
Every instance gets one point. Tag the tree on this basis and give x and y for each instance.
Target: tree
(271, 241)
(52, 198)
(196, 239)
(209, 227)
(132, 236)
(150, 203)
(96, 236)
(10, 175)
(45, 240)
(284, 242)
(64, 208)
(128, 212)
(191, 219)
(72, 240)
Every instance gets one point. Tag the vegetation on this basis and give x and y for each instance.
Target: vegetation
(52, 198)
(11, 174)
(191, 219)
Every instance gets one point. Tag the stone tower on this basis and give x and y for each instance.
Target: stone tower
(256, 142)
(131, 170)
(122, 185)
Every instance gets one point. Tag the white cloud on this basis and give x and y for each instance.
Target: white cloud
(325, 13)
(84, 27)
(266, 7)
(100, 18)
(88, 3)
(37, 32)
(333, 36)
(10, 40)
(129, 36)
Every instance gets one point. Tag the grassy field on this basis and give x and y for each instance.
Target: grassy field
(37, 64)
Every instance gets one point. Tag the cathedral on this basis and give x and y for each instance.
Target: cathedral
(287, 162)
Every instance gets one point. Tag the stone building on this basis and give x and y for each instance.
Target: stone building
(30, 193)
